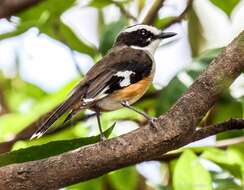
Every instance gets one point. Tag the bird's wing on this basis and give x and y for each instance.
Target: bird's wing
(119, 69)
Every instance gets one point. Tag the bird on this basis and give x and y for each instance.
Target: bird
(117, 81)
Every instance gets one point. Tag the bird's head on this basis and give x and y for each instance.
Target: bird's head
(142, 37)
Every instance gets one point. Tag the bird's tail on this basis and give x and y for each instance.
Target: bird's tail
(57, 113)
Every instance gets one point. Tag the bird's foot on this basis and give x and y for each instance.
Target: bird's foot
(153, 122)
(102, 138)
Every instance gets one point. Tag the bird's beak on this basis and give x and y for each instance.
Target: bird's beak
(164, 35)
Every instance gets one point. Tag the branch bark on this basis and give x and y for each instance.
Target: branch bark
(145, 143)
(11, 7)
(232, 124)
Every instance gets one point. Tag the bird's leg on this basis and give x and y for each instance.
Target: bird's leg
(102, 137)
(147, 117)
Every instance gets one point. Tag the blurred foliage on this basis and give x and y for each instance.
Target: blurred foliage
(109, 33)
(27, 102)
(49, 149)
(101, 4)
(195, 33)
(46, 16)
(226, 5)
(186, 173)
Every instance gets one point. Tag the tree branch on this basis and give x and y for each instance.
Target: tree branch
(153, 11)
(124, 11)
(210, 130)
(145, 143)
(232, 124)
(11, 7)
(181, 16)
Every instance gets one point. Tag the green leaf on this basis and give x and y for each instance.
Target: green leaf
(109, 34)
(231, 160)
(163, 22)
(47, 150)
(46, 17)
(189, 174)
(56, 29)
(94, 184)
(221, 183)
(195, 33)
(227, 108)
(226, 5)
(123, 179)
(19, 30)
(19, 92)
(14, 122)
(242, 104)
(169, 95)
(100, 4)
(46, 9)
(201, 62)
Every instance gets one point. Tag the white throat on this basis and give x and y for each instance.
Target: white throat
(150, 49)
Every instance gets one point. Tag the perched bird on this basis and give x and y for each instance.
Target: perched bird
(118, 80)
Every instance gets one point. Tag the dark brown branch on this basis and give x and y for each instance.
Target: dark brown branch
(232, 124)
(11, 7)
(153, 11)
(139, 145)
(210, 130)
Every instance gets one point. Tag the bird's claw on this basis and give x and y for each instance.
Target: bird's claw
(102, 138)
(153, 122)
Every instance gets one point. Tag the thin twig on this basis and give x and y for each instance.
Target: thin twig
(207, 131)
(181, 16)
(153, 11)
(124, 11)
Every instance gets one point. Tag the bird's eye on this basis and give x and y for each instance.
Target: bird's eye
(143, 32)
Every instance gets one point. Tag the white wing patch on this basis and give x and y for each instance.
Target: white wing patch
(88, 100)
(126, 75)
(125, 82)
(97, 97)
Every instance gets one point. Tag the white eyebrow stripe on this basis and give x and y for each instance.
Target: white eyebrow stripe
(142, 26)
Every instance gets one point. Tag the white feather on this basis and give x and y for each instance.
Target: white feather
(126, 75)
(152, 29)
(150, 49)
(87, 100)
(36, 135)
